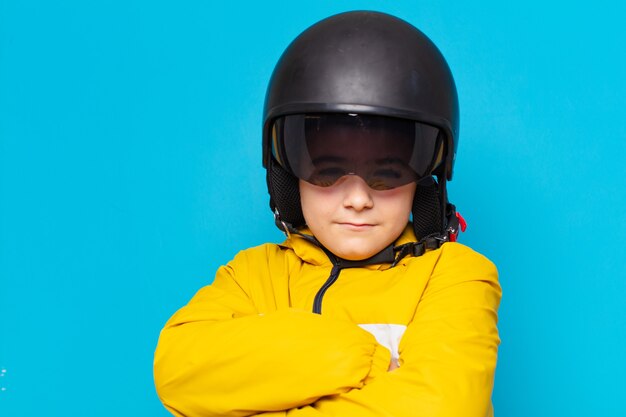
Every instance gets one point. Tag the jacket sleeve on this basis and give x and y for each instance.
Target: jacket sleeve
(447, 355)
(218, 356)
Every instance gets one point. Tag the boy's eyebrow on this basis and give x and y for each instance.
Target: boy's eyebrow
(390, 160)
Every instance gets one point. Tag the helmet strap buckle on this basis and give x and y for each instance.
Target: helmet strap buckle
(281, 224)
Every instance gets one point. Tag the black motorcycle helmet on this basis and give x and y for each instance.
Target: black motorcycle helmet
(365, 63)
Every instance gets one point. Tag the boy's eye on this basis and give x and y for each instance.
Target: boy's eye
(387, 178)
(388, 173)
(326, 177)
(331, 172)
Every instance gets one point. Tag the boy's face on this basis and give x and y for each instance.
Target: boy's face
(351, 219)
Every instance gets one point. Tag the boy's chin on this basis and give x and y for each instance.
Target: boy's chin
(357, 245)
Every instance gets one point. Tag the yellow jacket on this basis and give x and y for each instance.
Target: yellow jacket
(249, 344)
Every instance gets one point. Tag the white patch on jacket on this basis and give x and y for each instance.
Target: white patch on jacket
(388, 335)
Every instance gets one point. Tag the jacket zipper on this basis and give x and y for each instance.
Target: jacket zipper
(317, 303)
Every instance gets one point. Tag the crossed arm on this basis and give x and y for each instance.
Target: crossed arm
(218, 357)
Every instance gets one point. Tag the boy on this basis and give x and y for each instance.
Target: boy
(368, 308)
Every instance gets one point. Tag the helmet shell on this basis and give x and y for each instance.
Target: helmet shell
(365, 62)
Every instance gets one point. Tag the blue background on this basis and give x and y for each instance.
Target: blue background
(130, 169)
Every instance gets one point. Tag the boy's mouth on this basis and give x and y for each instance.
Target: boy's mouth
(356, 225)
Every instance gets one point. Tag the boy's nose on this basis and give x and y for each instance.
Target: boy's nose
(357, 194)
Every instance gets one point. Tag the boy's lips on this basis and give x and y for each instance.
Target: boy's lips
(356, 225)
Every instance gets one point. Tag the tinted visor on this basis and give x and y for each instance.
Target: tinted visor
(386, 152)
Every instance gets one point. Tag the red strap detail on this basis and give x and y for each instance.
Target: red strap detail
(462, 222)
